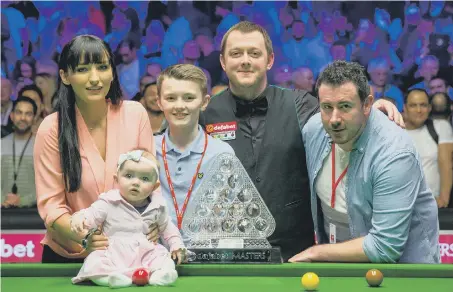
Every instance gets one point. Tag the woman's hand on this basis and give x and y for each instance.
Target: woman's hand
(390, 110)
(96, 241)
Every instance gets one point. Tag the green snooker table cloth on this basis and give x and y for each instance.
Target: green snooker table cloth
(334, 277)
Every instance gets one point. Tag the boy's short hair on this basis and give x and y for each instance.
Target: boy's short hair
(187, 72)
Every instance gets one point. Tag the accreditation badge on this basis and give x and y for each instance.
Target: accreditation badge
(223, 131)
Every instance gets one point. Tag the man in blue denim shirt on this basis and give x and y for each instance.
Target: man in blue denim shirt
(368, 192)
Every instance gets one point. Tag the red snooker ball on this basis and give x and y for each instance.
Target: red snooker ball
(140, 277)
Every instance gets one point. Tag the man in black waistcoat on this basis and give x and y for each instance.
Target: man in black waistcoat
(263, 125)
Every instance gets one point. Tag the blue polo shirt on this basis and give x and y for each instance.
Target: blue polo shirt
(183, 164)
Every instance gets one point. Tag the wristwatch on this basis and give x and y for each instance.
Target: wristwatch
(85, 239)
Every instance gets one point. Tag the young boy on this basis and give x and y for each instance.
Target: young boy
(184, 151)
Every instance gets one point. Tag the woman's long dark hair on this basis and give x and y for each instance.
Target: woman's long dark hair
(89, 49)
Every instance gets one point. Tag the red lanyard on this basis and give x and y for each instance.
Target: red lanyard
(180, 214)
(337, 182)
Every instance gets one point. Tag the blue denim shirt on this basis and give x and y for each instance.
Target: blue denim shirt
(388, 200)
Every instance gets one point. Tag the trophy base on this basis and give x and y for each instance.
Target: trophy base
(235, 256)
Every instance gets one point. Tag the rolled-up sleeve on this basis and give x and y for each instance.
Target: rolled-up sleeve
(395, 188)
(50, 190)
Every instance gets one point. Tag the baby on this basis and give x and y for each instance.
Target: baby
(125, 215)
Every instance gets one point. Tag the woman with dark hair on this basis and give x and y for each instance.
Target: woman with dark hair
(25, 70)
(77, 147)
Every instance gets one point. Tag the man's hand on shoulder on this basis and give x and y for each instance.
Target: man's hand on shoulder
(391, 111)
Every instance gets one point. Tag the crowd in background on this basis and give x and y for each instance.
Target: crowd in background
(404, 46)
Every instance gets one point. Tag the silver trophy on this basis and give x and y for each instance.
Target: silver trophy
(227, 220)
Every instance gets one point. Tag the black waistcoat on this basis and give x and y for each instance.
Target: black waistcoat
(280, 174)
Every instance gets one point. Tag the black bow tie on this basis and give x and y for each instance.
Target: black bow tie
(256, 107)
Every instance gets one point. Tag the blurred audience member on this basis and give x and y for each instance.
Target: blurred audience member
(145, 80)
(155, 114)
(129, 69)
(189, 10)
(434, 142)
(20, 84)
(303, 79)
(18, 174)
(24, 73)
(379, 70)
(152, 41)
(50, 15)
(191, 53)
(25, 69)
(6, 103)
(283, 76)
(318, 49)
(121, 27)
(429, 68)
(33, 92)
(285, 16)
(132, 15)
(439, 84)
(210, 59)
(338, 51)
(178, 33)
(441, 106)
(47, 83)
(153, 70)
(295, 49)
(410, 35)
(368, 44)
(13, 47)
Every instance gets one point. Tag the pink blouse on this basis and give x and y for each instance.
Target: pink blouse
(128, 128)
